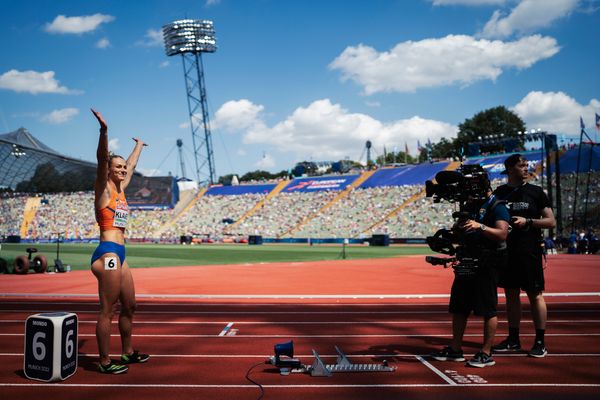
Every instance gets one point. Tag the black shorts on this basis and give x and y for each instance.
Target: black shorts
(477, 294)
(525, 270)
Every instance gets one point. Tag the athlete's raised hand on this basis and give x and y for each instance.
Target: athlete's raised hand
(101, 121)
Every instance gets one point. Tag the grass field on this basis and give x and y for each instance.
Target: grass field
(150, 255)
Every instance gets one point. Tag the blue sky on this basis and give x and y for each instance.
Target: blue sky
(295, 80)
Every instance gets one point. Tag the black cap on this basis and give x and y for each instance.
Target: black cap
(511, 161)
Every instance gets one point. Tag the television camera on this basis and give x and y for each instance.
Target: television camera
(468, 187)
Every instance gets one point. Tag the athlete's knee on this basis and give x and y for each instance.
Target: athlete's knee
(107, 311)
(129, 308)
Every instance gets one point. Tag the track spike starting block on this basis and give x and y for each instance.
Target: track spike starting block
(343, 364)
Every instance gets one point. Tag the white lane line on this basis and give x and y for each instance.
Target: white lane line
(444, 312)
(227, 327)
(265, 356)
(246, 305)
(434, 369)
(316, 386)
(287, 335)
(149, 322)
(281, 296)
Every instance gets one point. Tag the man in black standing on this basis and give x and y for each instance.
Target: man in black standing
(530, 212)
(475, 290)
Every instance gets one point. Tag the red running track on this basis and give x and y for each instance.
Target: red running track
(399, 314)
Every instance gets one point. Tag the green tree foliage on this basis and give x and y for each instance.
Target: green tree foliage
(225, 179)
(395, 158)
(498, 121)
(260, 175)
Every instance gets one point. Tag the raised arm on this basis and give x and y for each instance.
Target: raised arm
(102, 155)
(132, 161)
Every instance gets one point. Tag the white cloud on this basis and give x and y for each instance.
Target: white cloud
(467, 2)
(266, 162)
(164, 64)
(323, 130)
(555, 112)
(77, 25)
(212, 2)
(103, 43)
(241, 152)
(33, 82)
(152, 38)
(527, 16)
(454, 59)
(113, 145)
(236, 115)
(60, 116)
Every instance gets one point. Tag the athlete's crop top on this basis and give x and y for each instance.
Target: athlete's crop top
(114, 215)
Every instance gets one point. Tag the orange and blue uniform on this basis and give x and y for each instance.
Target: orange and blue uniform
(112, 217)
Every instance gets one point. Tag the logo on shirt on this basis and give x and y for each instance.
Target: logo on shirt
(518, 206)
(121, 214)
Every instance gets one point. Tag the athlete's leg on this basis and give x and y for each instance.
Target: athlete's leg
(128, 304)
(109, 287)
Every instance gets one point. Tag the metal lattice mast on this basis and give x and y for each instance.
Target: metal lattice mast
(191, 38)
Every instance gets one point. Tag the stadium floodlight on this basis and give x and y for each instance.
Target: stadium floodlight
(190, 38)
(17, 151)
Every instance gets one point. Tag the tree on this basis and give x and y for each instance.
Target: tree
(258, 175)
(395, 157)
(225, 179)
(498, 121)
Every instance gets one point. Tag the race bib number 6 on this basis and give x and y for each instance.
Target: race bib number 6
(110, 263)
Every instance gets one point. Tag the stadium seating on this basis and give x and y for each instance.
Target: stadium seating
(388, 201)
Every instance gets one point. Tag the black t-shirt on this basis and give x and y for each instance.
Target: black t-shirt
(487, 213)
(525, 201)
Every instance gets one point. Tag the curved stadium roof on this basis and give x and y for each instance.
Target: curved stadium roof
(21, 154)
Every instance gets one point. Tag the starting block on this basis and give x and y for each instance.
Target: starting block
(284, 360)
(343, 364)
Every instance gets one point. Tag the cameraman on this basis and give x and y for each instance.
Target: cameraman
(483, 233)
(530, 211)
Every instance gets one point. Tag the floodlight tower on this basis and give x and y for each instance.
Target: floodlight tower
(368, 146)
(191, 38)
(181, 163)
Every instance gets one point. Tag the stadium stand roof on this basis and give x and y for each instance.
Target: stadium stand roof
(21, 154)
(590, 159)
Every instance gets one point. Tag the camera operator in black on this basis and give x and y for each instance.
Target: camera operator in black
(483, 236)
(530, 212)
